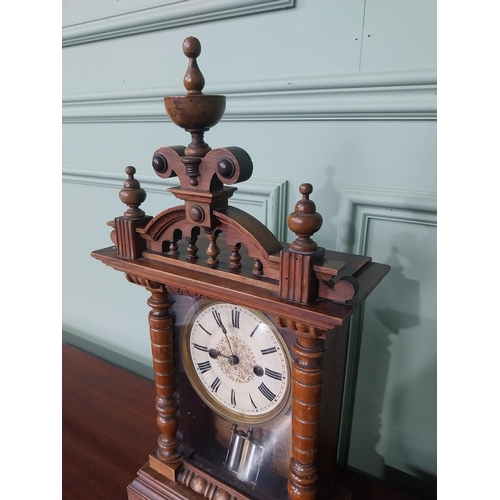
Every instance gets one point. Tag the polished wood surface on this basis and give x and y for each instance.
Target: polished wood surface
(109, 428)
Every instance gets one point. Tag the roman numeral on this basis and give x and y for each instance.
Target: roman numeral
(216, 384)
(266, 392)
(254, 330)
(235, 318)
(273, 374)
(233, 397)
(217, 318)
(200, 347)
(269, 350)
(205, 366)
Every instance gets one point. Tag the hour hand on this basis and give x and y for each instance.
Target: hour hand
(214, 354)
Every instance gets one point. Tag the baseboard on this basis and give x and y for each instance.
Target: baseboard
(423, 487)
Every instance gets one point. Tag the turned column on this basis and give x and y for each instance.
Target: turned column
(298, 282)
(307, 381)
(161, 331)
(166, 459)
(129, 245)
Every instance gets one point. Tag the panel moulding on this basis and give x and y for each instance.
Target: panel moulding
(406, 95)
(167, 16)
(265, 197)
(359, 206)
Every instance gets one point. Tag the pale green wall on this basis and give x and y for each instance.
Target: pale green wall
(337, 93)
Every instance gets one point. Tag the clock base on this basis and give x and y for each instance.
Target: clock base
(151, 485)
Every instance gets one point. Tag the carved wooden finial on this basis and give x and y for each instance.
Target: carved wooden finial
(132, 195)
(193, 79)
(195, 111)
(305, 221)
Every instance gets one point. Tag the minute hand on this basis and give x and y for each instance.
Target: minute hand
(219, 322)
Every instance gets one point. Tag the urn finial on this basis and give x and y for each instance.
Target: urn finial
(132, 195)
(195, 111)
(305, 221)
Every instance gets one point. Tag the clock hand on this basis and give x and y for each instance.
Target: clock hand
(228, 343)
(219, 322)
(214, 354)
(224, 331)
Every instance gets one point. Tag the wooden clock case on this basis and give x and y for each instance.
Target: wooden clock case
(308, 291)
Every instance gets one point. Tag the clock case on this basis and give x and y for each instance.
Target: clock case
(207, 249)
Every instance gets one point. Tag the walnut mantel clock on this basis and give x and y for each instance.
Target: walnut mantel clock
(249, 340)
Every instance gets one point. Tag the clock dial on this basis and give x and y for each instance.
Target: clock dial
(238, 362)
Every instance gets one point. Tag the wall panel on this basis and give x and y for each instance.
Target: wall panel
(393, 351)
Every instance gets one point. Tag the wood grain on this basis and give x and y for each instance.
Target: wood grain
(109, 427)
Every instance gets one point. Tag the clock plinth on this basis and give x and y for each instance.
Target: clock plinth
(166, 469)
(248, 334)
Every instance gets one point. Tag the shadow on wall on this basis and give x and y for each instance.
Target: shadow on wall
(407, 315)
(419, 482)
(393, 313)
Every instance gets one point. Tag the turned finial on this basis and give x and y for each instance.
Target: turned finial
(132, 195)
(195, 111)
(305, 221)
(193, 79)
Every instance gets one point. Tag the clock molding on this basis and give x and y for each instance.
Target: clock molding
(307, 289)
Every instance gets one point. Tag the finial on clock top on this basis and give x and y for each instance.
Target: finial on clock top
(193, 79)
(305, 221)
(195, 112)
(132, 195)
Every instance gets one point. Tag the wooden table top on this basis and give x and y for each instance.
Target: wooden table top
(109, 427)
(109, 430)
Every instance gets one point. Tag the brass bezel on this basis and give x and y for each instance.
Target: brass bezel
(204, 393)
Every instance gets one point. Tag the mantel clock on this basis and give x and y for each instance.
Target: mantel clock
(249, 341)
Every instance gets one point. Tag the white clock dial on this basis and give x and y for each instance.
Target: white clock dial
(237, 362)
